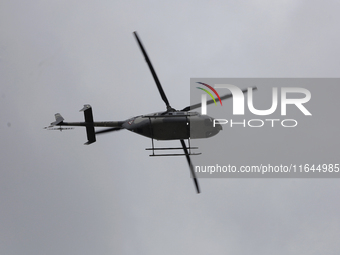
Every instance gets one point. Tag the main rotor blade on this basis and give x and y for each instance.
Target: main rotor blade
(195, 106)
(108, 130)
(190, 165)
(159, 86)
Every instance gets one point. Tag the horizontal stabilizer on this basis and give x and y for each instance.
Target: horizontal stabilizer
(91, 137)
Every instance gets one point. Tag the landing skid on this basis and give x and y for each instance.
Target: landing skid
(153, 149)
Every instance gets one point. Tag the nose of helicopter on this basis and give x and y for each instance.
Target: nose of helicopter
(214, 130)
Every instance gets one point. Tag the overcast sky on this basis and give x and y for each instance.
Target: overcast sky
(58, 196)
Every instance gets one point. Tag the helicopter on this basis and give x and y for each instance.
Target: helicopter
(170, 124)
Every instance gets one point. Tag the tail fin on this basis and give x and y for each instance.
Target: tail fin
(58, 119)
(91, 137)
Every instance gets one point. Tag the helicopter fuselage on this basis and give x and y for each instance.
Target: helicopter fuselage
(173, 125)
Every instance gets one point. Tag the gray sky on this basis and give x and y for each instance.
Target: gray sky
(58, 196)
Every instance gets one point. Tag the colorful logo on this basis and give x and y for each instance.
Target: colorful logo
(209, 92)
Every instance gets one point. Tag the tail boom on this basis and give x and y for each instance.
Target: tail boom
(89, 124)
